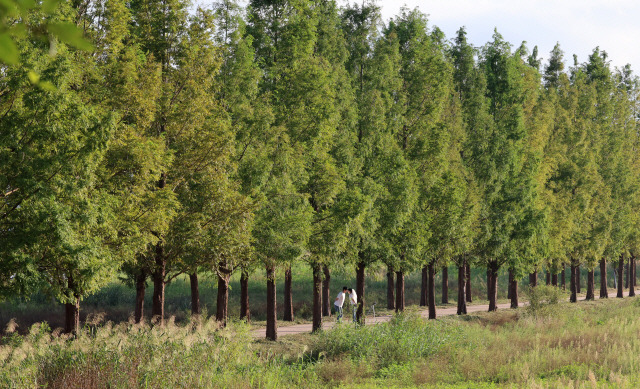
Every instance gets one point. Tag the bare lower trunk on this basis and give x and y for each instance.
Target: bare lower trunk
(533, 278)
(509, 284)
(431, 294)
(620, 277)
(554, 279)
(563, 283)
(272, 320)
(632, 276)
(604, 290)
(548, 277)
(626, 272)
(222, 304)
(72, 310)
(445, 285)
(423, 287)
(572, 284)
(326, 299)
(467, 287)
(391, 301)
(493, 286)
(141, 279)
(590, 286)
(288, 296)
(488, 284)
(360, 277)
(462, 276)
(195, 294)
(513, 286)
(244, 297)
(157, 306)
(578, 278)
(399, 291)
(317, 298)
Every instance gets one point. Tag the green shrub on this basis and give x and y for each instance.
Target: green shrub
(543, 299)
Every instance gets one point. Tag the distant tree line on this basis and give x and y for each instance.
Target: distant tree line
(166, 141)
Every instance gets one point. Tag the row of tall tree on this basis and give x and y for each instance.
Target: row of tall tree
(229, 138)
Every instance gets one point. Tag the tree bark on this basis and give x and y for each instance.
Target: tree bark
(423, 287)
(391, 302)
(157, 306)
(513, 286)
(317, 298)
(554, 279)
(509, 284)
(493, 286)
(590, 286)
(288, 296)
(626, 272)
(326, 298)
(533, 278)
(222, 306)
(563, 282)
(445, 285)
(431, 295)
(272, 320)
(572, 286)
(632, 276)
(399, 291)
(578, 278)
(620, 277)
(141, 279)
(462, 281)
(245, 313)
(195, 294)
(548, 277)
(360, 278)
(467, 287)
(604, 290)
(72, 310)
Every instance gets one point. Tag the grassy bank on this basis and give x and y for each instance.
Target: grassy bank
(589, 344)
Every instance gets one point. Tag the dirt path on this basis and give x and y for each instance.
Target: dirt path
(305, 328)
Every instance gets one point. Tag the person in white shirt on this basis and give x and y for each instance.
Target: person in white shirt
(337, 305)
(353, 299)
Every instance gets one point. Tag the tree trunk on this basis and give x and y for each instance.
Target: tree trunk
(288, 296)
(391, 301)
(222, 306)
(620, 277)
(399, 291)
(72, 310)
(488, 283)
(533, 278)
(157, 306)
(326, 298)
(513, 286)
(572, 284)
(563, 282)
(423, 287)
(360, 277)
(445, 285)
(590, 286)
(272, 320)
(317, 298)
(467, 287)
(462, 281)
(548, 277)
(578, 278)
(493, 286)
(141, 279)
(245, 313)
(431, 294)
(554, 279)
(195, 294)
(632, 276)
(509, 284)
(604, 290)
(626, 272)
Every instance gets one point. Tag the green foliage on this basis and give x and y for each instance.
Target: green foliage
(542, 300)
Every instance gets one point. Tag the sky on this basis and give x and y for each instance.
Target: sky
(578, 25)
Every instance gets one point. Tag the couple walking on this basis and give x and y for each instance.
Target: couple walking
(353, 299)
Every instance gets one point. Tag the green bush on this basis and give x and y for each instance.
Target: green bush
(543, 299)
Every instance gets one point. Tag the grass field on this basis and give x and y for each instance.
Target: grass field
(116, 301)
(584, 345)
